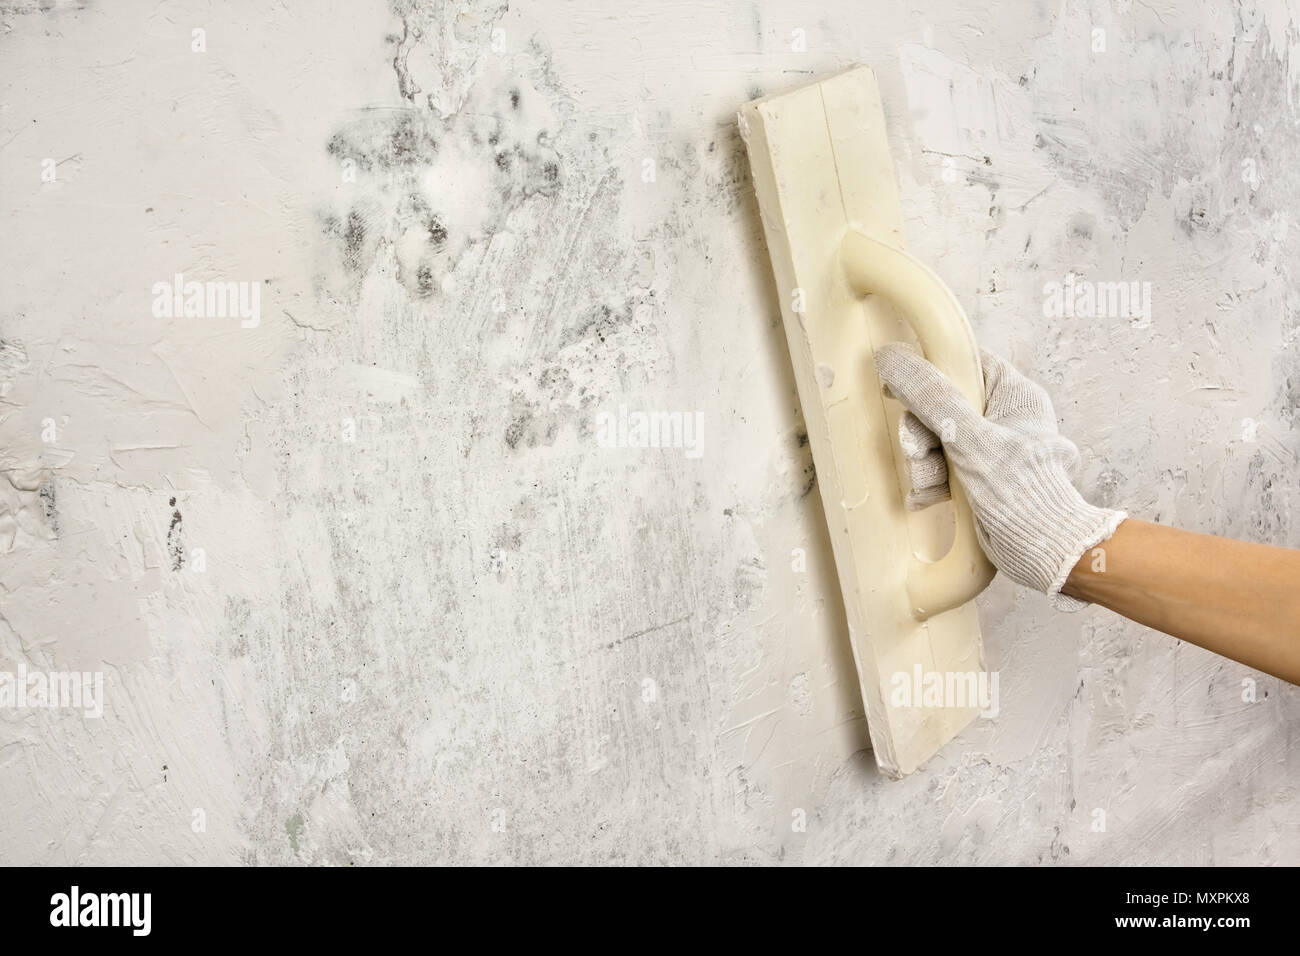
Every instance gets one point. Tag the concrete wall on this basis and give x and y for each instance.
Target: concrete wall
(360, 578)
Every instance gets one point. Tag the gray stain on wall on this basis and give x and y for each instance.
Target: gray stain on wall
(461, 573)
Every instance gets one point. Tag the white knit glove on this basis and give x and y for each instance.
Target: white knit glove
(1029, 519)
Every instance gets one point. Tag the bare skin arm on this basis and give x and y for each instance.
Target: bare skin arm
(1237, 599)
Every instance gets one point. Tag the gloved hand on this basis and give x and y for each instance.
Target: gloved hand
(1013, 463)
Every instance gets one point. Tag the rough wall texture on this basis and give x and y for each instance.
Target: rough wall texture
(362, 580)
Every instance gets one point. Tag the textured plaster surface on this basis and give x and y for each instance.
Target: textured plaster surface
(363, 582)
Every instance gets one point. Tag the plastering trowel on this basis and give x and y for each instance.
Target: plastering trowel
(830, 209)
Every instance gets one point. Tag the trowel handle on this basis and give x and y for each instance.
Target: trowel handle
(877, 268)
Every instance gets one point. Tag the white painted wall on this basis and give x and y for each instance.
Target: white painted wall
(470, 633)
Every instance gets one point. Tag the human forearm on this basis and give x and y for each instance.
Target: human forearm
(1237, 599)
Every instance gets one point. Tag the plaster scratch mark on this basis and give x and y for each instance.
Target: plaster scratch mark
(648, 630)
(763, 749)
(1025, 205)
(189, 399)
(305, 325)
(752, 720)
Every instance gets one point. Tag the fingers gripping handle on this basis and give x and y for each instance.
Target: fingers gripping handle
(877, 268)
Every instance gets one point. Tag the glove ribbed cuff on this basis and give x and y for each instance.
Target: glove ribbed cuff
(1055, 527)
